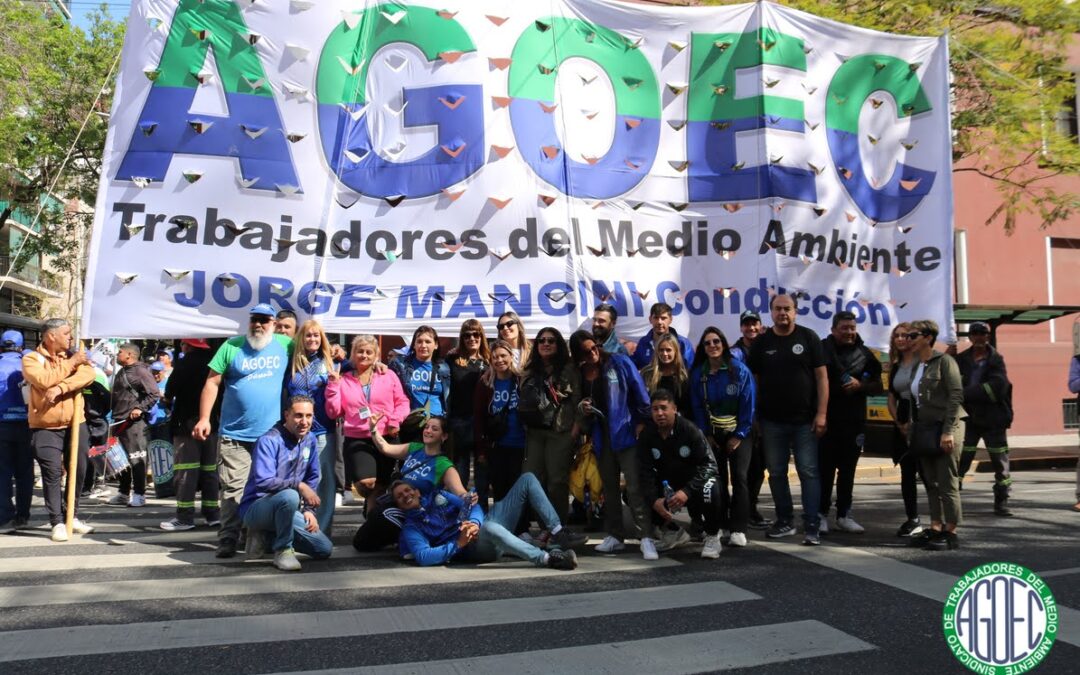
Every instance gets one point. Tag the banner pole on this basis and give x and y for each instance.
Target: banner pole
(72, 489)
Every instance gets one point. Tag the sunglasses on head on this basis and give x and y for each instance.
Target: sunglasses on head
(504, 325)
(546, 340)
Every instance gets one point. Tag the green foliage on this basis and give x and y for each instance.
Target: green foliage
(50, 76)
(1010, 81)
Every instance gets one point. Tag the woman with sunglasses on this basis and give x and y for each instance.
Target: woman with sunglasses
(468, 362)
(667, 370)
(936, 397)
(615, 407)
(356, 396)
(722, 397)
(547, 405)
(512, 331)
(500, 436)
(902, 365)
(424, 376)
(312, 367)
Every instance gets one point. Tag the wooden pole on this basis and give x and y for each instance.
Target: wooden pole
(73, 487)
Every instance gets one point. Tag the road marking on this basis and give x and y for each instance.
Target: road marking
(277, 582)
(164, 559)
(1059, 573)
(233, 630)
(672, 655)
(904, 576)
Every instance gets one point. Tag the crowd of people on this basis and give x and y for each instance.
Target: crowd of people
(276, 428)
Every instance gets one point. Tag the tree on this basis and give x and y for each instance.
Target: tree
(1010, 81)
(51, 75)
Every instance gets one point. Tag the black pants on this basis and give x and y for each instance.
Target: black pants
(705, 504)
(51, 452)
(133, 436)
(503, 469)
(838, 455)
(997, 447)
(733, 466)
(755, 472)
(378, 531)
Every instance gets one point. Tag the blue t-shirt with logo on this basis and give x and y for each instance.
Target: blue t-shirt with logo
(505, 394)
(420, 391)
(253, 381)
(423, 471)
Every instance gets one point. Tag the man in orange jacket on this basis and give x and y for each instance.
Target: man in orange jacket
(56, 382)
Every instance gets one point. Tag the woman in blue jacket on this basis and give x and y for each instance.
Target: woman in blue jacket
(425, 377)
(722, 398)
(615, 405)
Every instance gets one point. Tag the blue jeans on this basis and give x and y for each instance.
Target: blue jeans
(497, 532)
(279, 514)
(16, 462)
(780, 440)
(327, 486)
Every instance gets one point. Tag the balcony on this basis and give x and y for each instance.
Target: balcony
(29, 279)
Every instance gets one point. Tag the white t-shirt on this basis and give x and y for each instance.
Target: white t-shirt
(915, 383)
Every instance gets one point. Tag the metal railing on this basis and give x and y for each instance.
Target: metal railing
(1069, 413)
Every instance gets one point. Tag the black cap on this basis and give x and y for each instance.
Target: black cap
(749, 315)
(979, 327)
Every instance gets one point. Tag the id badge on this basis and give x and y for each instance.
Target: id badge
(365, 414)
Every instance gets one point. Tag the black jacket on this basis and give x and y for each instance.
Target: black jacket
(684, 459)
(133, 387)
(856, 361)
(987, 391)
(184, 389)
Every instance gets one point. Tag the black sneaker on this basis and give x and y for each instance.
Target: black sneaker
(566, 540)
(1001, 509)
(759, 522)
(780, 529)
(922, 539)
(559, 559)
(942, 541)
(226, 549)
(910, 528)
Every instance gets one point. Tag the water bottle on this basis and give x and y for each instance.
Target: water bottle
(668, 494)
(466, 506)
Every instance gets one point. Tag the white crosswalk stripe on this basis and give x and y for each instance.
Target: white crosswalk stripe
(191, 605)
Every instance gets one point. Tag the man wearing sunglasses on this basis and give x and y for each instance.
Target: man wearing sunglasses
(252, 369)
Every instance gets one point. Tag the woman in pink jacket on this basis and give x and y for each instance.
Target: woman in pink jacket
(358, 396)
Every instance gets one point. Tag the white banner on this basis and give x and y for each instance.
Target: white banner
(391, 165)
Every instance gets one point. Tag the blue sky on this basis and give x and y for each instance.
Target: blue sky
(81, 9)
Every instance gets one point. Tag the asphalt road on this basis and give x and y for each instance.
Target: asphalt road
(133, 599)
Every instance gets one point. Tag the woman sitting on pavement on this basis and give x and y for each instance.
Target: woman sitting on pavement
(937, 394)
(423, 466)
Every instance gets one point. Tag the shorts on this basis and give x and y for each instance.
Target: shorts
(363, 460)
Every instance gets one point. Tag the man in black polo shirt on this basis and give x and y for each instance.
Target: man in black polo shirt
(673, 449)
(792, 397)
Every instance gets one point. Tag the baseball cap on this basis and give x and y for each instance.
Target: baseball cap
(164, 350)
(749, 315)
(197, 343)
(157, 366)
(264, 309)
(11, 339)
(979, 327)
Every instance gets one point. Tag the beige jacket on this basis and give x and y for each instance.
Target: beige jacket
(42, 371)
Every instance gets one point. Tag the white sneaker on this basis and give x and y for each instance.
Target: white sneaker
(712, 546)
(737, 539)
(59, 532)
(349, 498)
(176, 525)
(610, 545)
(849, 525)
(648, 549)
(823, 524)
(285, 560)
(118, 499)
(137, 500)
(338, 499)
(79, 527)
